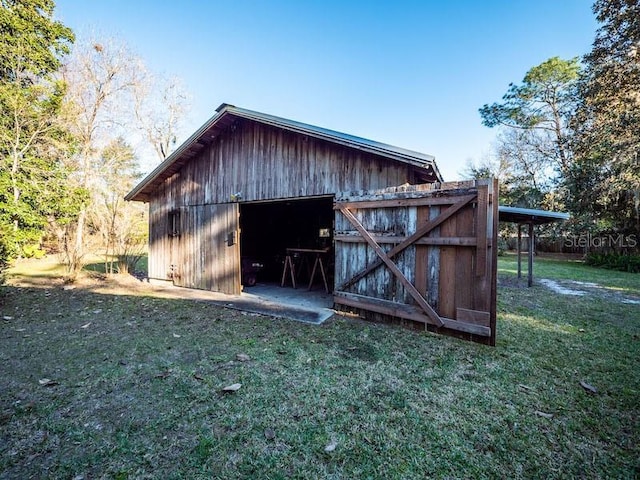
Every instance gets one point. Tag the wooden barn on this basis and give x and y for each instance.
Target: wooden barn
(392, 240)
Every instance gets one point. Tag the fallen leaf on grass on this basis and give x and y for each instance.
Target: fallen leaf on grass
(47, 382)
(269, 433)
(5, 416)
(587, 387)
(331, 447)
(232, 388)
(543, 414)
(243, 357)
(85, 325)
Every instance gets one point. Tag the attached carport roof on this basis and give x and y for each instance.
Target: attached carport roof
(227, 114)
(529, 215)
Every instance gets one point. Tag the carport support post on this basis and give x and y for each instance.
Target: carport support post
(519, 249)
(532, 242)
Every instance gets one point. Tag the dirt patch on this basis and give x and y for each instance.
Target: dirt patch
(556, 287)
(588, 289)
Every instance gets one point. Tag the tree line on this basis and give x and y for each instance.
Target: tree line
(73, 114)
(569, 133)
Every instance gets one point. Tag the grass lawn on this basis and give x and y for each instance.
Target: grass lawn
(135, 385)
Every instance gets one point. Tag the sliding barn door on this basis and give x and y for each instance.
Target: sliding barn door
(206, 249)
(426, 253)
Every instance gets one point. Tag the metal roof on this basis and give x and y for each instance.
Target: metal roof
(225, 116)
(529, 215)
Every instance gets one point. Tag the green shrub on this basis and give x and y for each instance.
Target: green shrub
(503, 246)
(33, 250)
(614, 261)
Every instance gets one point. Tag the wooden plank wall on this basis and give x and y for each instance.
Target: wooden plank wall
(160, 243)
(261, 163)
(205, 254)
(453, 267)
(216, 267)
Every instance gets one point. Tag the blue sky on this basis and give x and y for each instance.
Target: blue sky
(408, 73)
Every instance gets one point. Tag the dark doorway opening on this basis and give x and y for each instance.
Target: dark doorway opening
(268, 229)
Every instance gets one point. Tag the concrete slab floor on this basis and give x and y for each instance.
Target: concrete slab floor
(316, 298)
(299, 304)
(313, 306)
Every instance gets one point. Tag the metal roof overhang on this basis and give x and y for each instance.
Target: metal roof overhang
(529, 215)
(226, 115)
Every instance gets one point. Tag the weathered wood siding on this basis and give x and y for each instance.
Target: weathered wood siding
(161, 251)
(263, 162)
(204, 254)
(424, 253)
(260, 162)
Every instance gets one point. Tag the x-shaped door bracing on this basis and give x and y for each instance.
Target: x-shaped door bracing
(386, 257)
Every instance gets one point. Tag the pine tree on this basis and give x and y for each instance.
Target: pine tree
(604, 181)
